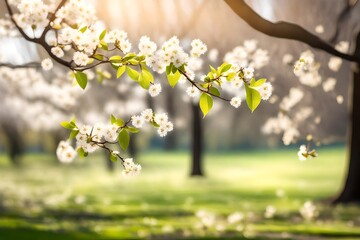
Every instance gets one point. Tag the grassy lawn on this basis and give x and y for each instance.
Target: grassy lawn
(45, 200)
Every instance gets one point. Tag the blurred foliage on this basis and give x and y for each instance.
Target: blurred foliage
(42, 200)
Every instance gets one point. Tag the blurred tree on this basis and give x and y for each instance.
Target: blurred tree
(15, 144)
(351, 190)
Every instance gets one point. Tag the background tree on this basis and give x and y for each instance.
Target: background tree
(351, 190)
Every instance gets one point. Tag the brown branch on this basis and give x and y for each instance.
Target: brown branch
(343, 16)
(18, 66)
(52, 18)
(284, 29)
(193, 83)
(41, 41)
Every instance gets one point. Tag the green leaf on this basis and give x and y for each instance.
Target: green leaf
(98, 57)
(174, 69)
(173, 78)
(215, 91)
(73, 134)
(102, 35)
(117, 121)
(230, 76)
(81, 152)
(259, 82)
(132, 129)
(113, 157)
(104, 45)
(68, 125)
(225, 67)
(133, 61)
(206, 103)
(253, 98)
(120, 71)
(112, 119)
(128, 57)
(81, 79)
(133, 74)
(83, 29)
(168, 68)
(115, 59)
(145, 79)
(124, 139)
(213, 70)
(154, 124)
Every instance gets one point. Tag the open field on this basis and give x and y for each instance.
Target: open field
(45, 200)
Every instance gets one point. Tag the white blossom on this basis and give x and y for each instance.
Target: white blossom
(57, 51)
(81, 59)
(137, 121)
(147, 115)
(47, 64)
(192, 91)
(235, 102)
(155, 90)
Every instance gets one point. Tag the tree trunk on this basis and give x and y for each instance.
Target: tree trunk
(170, 143)
(351, 190)
(197, 140)
(15, 144)
(110, 165)
(132, 146)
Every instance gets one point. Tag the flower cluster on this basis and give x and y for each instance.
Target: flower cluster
(131, 168)
(103, 136)
(248, 55)
(65, 152)
(282, 123)
(33, 13)
(170, 52)
(307, 69)
(304, 153)
(37, 103)
(159, 119)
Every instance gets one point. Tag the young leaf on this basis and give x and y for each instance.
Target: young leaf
(81, 152)
(132, 129)
(173, 78)
(206, 103)
(168, 69)
(115, 59)
(81, 79)
(113, 157)
(133, 74)
(253, 98)
(112, 119)
(259, 82)
(102, 35)
(215, 91)
(98, 57)
(104, 45)
(120, 71)
(225, 67)
(124, 139)
(230, 76)
(68, 125)
(145, 79)
(73, 134)
(213, 70)
(83, 29)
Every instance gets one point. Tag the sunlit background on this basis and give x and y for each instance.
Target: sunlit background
(250, 185)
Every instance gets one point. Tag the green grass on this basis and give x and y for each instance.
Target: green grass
(45, 200)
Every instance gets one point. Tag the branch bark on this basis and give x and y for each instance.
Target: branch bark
(41, 41)
(17, 66)
(284, 30)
